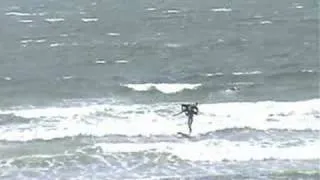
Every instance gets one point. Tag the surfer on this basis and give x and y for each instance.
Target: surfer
(189, 110)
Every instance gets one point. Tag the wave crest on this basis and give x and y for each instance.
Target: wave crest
(131, 120)
(162, 87)
(213, 150)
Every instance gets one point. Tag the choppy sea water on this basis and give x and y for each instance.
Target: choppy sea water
(88, 89)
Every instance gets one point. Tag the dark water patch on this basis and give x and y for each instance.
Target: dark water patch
(297, 174)
(308, 77)
(271, 135)
(11, 119)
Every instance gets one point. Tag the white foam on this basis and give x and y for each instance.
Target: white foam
(244, 39)
(56, 44)
(42, 13)
(75, 124)
(163, 87)
(7, 78)
(232, 90)
(113, 34)
(307, 70)
(258, 16)
(121, 61)
(246, 73)
(265, 22)
(40, 40)
(298, 5)
(172, 11)
(214, 74)
(14, 13)
(100, 62)
(67, 77)
(64, 35)
(26, 21)
(89, 19)
(220, 40)
(26, 41)
(101, 120)
(151, 9)
(173, 45)
(290, 115)
(221, 10)
(52, 112)
(213, 150)
(52, 20)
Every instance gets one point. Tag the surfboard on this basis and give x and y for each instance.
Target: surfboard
(184, 135)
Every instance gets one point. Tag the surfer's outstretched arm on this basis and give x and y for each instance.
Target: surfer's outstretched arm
(178, 113)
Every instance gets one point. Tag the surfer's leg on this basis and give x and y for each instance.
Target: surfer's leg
(190, 120)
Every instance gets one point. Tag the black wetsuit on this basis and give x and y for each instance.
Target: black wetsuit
(190, 110)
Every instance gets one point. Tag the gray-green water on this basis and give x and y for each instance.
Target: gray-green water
(88, 89)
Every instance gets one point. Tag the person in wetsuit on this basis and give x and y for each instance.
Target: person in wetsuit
(189, 110)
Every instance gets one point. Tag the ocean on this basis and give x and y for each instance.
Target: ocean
(88, 89)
